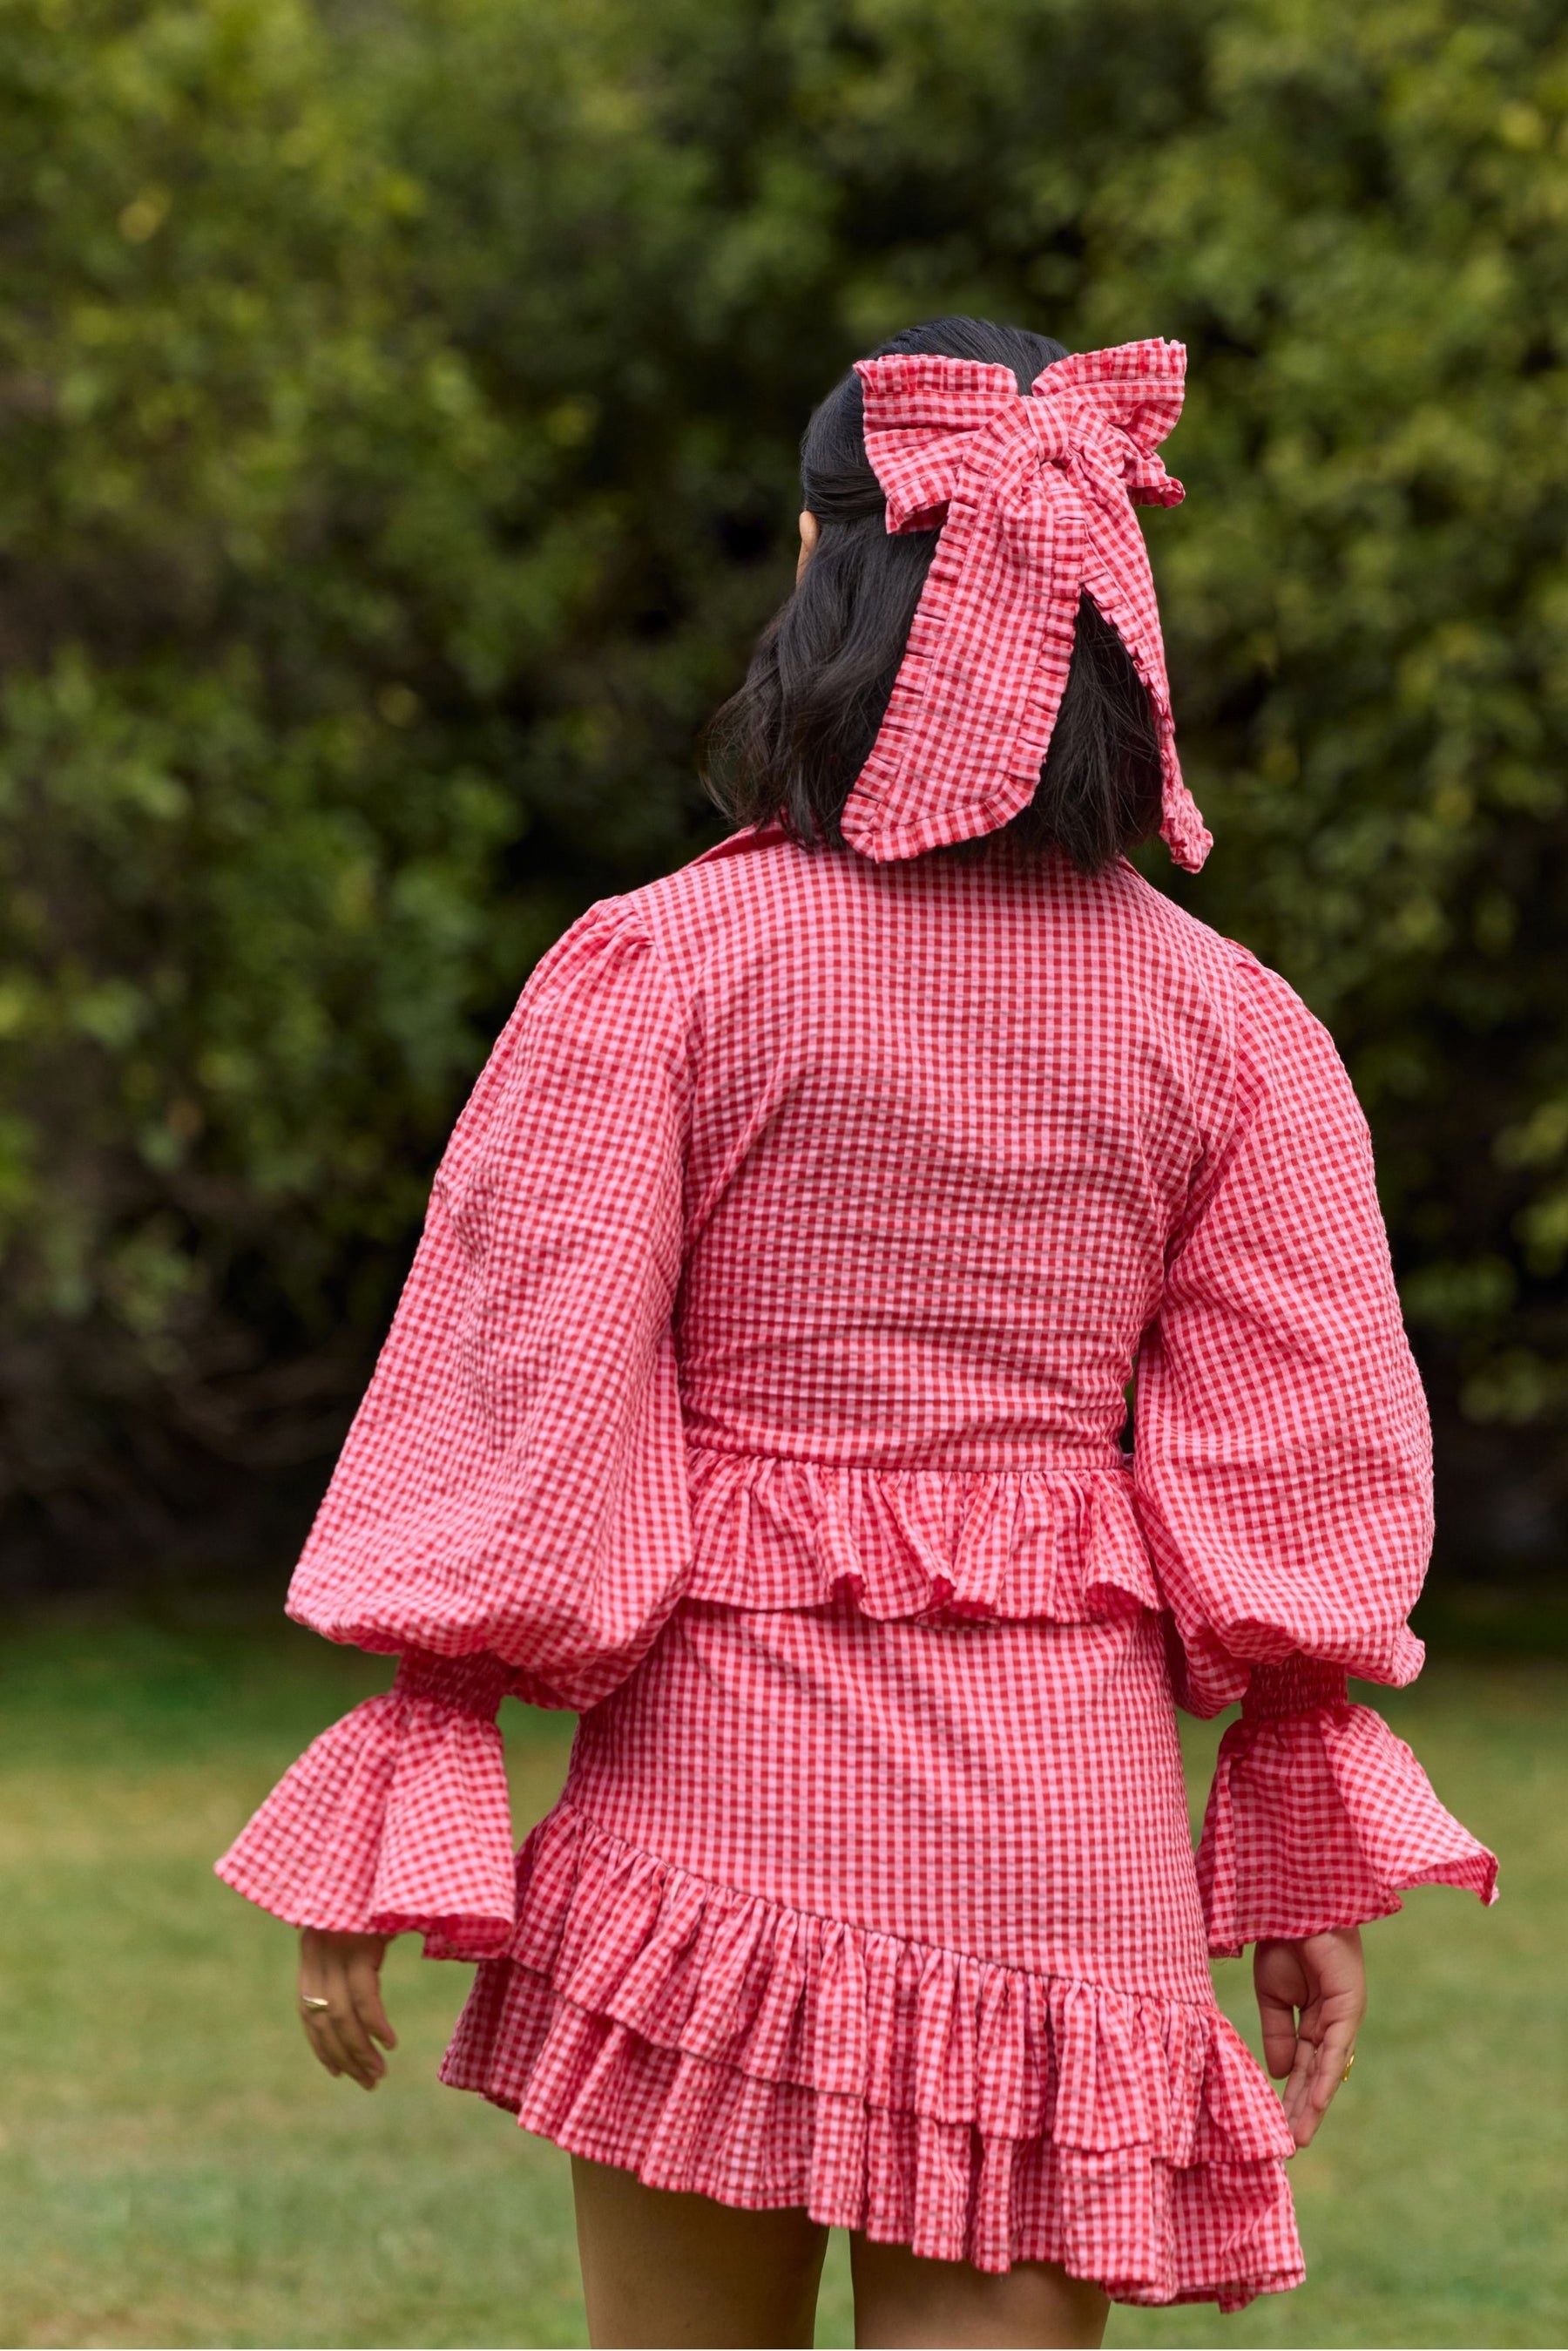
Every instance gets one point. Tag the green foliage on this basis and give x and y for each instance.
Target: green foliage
(399, 415)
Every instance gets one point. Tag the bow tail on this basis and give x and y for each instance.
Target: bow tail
(970, 718)
(1123, 593)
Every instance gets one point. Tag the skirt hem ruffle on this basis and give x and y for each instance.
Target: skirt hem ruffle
(723, 2044)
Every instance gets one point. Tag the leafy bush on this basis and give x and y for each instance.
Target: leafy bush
(399, 414)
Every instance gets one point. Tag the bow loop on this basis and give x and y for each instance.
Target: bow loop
(1032, 494)
(923, 415)
(1138, 387)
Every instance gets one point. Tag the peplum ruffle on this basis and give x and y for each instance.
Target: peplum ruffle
(397, 1819)
(1060, 1543)
(1318, 1813)
(719, 2042)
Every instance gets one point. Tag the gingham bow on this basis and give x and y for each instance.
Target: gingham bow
(1034, 496)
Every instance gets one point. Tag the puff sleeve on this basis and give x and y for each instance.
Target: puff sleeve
(1282, 1469)
(509, 1512)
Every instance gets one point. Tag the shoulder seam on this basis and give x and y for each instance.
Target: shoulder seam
(629, 924)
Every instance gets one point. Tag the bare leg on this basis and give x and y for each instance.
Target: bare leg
(901, 2299)
(671, 2270)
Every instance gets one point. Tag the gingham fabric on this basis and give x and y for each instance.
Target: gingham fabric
(397, 1816)
(1035, 499)
(1312, 1822)
(758, 1390)
(937, 1974)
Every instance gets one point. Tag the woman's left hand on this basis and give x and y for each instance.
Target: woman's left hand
(346, 1972)
(1311, 1996)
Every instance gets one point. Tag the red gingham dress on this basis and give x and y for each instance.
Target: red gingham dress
(759, 1391)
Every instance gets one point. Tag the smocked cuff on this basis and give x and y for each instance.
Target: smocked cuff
(475, 1685)
(1296, 1685)
(1319, 1816)
(397, 1819)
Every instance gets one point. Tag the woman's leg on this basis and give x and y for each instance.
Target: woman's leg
(902, 2299)
(672, 2269)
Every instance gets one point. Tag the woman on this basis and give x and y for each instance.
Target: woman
(759, 1391)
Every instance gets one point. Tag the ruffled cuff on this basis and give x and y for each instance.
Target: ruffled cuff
(1318, 1815)
(397, 1819)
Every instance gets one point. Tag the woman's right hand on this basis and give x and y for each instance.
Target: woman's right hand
(346, 1972)
(1311, 1996)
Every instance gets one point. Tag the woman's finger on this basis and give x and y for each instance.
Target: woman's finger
(362, 2059)
(1321, 2079)
(365, 1990)
(335, 2033)
(1334, 2055)
(312, 1986)
(1278, 2019)
(320, 2032)
(1299, 2113)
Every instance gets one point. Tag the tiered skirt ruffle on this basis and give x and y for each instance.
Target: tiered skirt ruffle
(718, 2041)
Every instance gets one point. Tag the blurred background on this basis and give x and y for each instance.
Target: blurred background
(399, 402)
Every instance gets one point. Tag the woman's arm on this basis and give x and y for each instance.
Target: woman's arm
(1283, 1476)
(509, 1513)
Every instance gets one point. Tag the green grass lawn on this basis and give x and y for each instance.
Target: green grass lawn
(174, 2169)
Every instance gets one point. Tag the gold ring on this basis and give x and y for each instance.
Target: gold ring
(1348, 2064)
(312, 2006)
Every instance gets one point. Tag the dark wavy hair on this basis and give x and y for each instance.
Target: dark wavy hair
(790, 743)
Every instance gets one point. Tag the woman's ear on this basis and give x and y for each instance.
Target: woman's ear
(807, 541)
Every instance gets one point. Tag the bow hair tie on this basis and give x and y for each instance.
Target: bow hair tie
(1033, 495)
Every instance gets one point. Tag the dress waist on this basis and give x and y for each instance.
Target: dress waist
(1057, 1539)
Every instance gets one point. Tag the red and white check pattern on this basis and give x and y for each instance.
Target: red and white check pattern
(1035, 499)
(758, 1387)
(937, 1974)
(397, 1817)
(1318, 1814)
